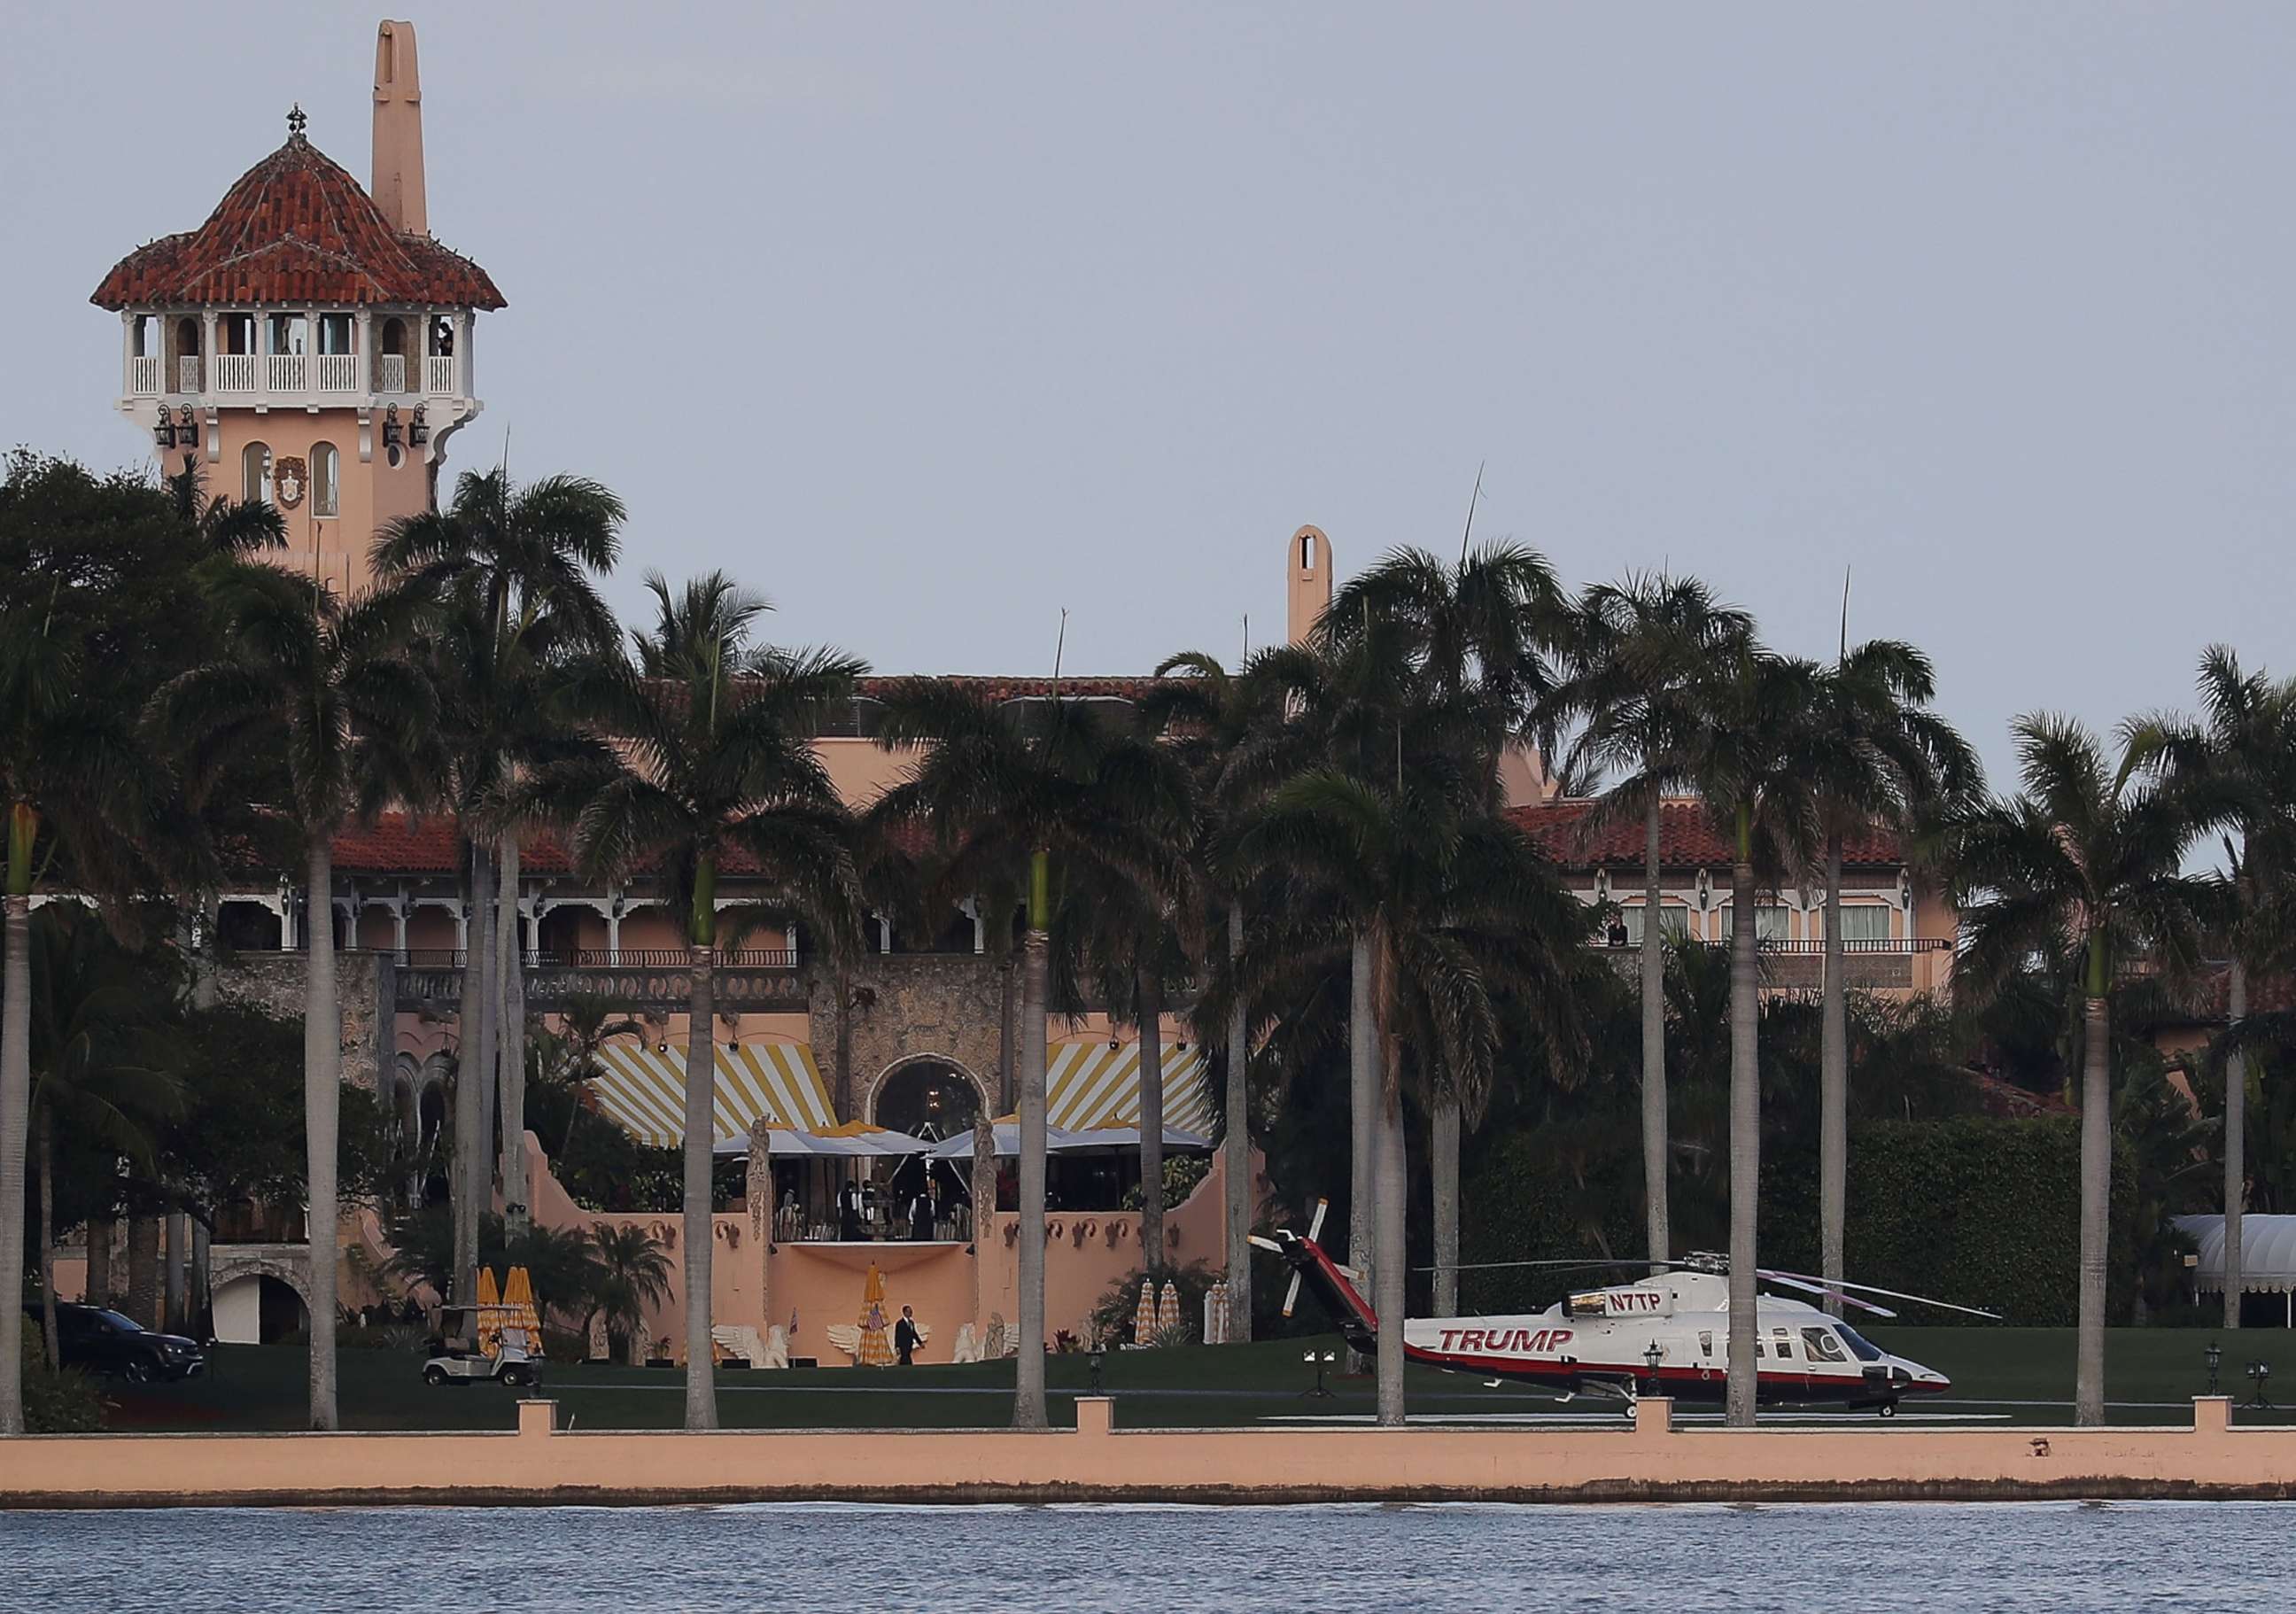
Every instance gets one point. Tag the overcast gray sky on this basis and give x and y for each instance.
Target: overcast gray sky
(931, 319)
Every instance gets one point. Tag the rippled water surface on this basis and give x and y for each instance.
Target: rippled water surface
(1868, 1556)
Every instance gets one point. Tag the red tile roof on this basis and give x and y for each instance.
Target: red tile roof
(1687, 838)
(295, 229)
(994, 687)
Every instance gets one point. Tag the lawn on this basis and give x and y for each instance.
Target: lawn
(1999, 1374)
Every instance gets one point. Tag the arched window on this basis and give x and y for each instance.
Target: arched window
(255, 472)
(325, 466)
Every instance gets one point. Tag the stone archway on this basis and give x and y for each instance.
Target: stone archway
(246, 1281)
(919, 1089)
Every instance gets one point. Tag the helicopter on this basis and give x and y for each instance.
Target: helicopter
(1665, 1333)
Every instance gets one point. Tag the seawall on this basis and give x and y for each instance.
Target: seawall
(540, 1464)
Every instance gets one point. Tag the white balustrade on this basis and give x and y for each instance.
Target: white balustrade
(438, 378)
(235, 373)
(286, 372)
(187, 373)
(144, 375)
(390, 373)
(337, 372)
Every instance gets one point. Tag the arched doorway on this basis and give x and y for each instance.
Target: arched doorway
(257, 1309)
(929, 1098)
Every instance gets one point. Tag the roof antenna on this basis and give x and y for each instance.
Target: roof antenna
(1844, 654)
(1247, 636)
(1473, 499)
(1060, 647)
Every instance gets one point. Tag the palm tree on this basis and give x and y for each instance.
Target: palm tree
(1752, 761)
(1034, 782)
(631, 1273)
(1460, 908)
(1482, 633)
(327, 685)
(2236, 769)
(1643, 645)
(713, 756)
(95, 1058)
(1882, 757)
(586, 1023)
(1230, 732)
(2087, 857)
(519, 564)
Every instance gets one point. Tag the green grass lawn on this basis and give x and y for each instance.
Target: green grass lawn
(1999, 1374)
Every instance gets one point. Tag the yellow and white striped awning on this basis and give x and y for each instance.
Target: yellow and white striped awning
(1089, 1084)
(644, 1090)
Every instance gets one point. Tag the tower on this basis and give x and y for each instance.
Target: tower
(1309, 589)
(310, 344)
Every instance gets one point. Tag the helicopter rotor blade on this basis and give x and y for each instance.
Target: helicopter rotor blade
(1316, 1222)
(1256, 1242)
(1894, 1294)
(1291, 1295)
(1791, 1282)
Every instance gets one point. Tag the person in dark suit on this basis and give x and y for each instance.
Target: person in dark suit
(848, 1213)
(905, 1339)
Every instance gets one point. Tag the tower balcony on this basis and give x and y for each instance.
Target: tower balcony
(297, 359)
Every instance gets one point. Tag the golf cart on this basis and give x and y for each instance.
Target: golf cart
(470, 1347)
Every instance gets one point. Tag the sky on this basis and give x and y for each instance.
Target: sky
(931, 321)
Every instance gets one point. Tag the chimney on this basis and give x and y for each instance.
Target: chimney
(1310, 582)
(398, 186)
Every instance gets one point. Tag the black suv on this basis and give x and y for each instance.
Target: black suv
(105, 1342)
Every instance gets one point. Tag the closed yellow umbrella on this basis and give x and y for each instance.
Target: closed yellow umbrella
(1167, 1309)
(489, 1294)
(487, 1321)
(876, 1350)
(1144, 1317)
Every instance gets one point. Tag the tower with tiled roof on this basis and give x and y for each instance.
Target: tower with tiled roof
(310, 344)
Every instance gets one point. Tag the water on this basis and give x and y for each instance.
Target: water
(1851, 1559)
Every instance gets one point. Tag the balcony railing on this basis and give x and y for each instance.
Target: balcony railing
(144, 375)
(187, 374)
(337, 372)
(390, 373)
(439, 375)
(235, 373)
(287, 372)
(605, 958)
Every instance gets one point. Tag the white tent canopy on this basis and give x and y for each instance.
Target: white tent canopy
(959, 1145)
(872, 1143)
(2267, 1253)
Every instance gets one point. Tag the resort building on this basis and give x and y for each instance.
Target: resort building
(313, 345)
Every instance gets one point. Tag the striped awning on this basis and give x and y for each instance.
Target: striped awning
(1089, 1084)
(644, 1090)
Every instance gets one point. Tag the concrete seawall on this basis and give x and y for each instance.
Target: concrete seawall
(540, 1464)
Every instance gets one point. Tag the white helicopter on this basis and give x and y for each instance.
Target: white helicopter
(1665, 1334)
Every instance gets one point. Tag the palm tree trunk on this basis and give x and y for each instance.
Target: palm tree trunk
(48, 1334)
(1832, 1084)
(1236, 1146)
(701, 1108)
(175, 1274)
(1655, 1154)
(1745, 1134)
(2236, 1146)
(1363, 1119)
(322, 1058)
(511, 1037)
(1150, 994)
(1007, 992)
(474, 1073)
(1444, 1126)
(143, 1265)
(2097, 1195)
(15, 1104)
(100, 1230)
(1392, 1189)
(1028, 1375)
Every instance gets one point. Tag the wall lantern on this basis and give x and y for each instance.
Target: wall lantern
(391, 434)
(418, 430)
(164, 432)
(186, 429)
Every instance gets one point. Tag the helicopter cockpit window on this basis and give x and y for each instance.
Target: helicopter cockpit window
(1863, 1348)
(1821, 1346)
(1784, 1342)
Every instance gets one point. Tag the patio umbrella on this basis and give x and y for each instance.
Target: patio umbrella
(1144, 1317)
(486, 1321)
(1058, 1139)
(520, 1310)
(1117, 1136)
(853, 1140)
(1167, 1309)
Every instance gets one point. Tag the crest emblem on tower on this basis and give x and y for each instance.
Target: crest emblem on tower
(289, 480)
